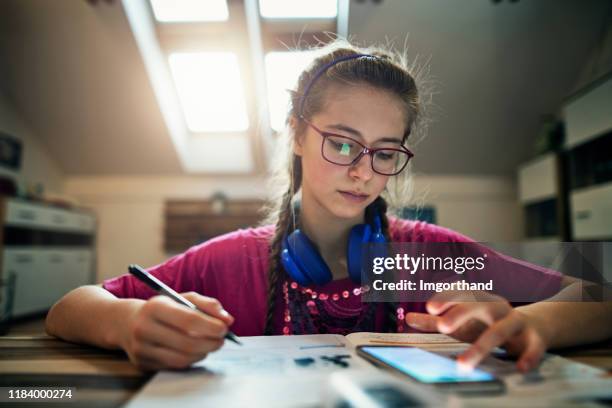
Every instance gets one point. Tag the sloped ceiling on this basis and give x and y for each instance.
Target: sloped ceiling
(74, 72)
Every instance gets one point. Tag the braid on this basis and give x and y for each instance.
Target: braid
(390, 307)
(285, 221)
(379, 206)
(274, 270)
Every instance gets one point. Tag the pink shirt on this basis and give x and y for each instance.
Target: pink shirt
(233, 268)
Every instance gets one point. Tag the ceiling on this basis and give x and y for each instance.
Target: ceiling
(74, 72)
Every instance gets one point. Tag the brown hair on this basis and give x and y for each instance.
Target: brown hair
(388, 72)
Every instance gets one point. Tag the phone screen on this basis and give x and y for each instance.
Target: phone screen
(426, 367)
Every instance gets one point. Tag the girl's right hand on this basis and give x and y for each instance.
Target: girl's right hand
(162, 334)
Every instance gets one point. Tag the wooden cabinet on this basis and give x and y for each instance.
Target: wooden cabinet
(588, 117)
(45, 252)
(192, 222)
(541, 196)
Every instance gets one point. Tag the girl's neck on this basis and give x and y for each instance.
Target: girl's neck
(328, 233)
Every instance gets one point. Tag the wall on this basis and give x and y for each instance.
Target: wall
(130, 210)
(36, 165)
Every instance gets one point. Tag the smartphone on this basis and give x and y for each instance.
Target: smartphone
(430, 368)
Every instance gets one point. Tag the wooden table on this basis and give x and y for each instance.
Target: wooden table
(107, 379)
(102, 378)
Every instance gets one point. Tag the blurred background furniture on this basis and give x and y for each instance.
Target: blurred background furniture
(46, 251)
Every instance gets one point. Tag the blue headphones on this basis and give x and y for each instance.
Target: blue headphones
(306, 266)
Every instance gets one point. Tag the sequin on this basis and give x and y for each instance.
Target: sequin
(313, 295)
(345, 294)
(310, 303)
(287, 319)
(357, 291)
(308, 290)
(323, 296)
(400, 310)
(335, 296)
(366, 288)
(294, 285)
(285, 330)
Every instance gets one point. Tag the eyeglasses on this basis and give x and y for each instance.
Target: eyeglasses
(345, 151)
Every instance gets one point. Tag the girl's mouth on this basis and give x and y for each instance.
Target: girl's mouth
(354, 197)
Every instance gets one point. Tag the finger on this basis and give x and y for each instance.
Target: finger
(423, 322)
(461, 313)
(469, 331)
(189, 321)
(534, 350)
(494, 336)
(441, 302)
(210, 306)
(168, 337)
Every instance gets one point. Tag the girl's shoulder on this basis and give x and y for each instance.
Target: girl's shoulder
(236, 251)
(252, 238)
(250, 234)
(402, 230)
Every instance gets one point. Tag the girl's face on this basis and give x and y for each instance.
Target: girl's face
(374, 118)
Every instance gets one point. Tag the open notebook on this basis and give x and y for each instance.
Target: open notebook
(288, 371)
(308, 353)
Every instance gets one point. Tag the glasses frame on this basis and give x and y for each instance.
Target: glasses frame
(364, 150)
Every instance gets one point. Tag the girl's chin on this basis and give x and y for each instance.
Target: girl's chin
(348, 212)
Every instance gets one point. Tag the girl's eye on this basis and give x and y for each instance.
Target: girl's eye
(386, 155)
(341, 146)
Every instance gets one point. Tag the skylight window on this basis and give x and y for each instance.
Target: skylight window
(173, 11)
(210, 91)
(298, 8)
(282, 72)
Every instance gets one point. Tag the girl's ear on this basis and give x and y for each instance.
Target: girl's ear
(297, 137)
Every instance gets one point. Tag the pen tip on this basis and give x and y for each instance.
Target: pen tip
(234, 338)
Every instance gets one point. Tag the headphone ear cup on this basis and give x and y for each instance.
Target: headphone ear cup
(310, 266)
(291, 267)
(361, 235)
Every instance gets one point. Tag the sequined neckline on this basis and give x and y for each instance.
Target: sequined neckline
(309, 311)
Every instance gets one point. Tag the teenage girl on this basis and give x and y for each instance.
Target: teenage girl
(352, 115)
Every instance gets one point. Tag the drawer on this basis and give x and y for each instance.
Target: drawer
(31, 292)
(22, 214)
(592, 213)
(588, 116)
(538, 179)
(29, 215)
(43, 276)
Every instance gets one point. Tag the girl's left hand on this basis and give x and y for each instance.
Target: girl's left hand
(487, 321)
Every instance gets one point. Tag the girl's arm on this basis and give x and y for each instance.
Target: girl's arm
(156, 333)
(90, 314)
(564, 320)
(526, 331)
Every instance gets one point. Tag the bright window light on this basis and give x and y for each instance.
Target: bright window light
(210, 91)
(189, 10)
(282, 72)
(298, 8)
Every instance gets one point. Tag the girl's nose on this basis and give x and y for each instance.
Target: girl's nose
(362, 169)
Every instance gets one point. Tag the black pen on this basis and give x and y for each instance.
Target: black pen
(158, 286)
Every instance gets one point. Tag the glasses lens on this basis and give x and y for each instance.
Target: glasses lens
(389, 161)
(340, 150)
